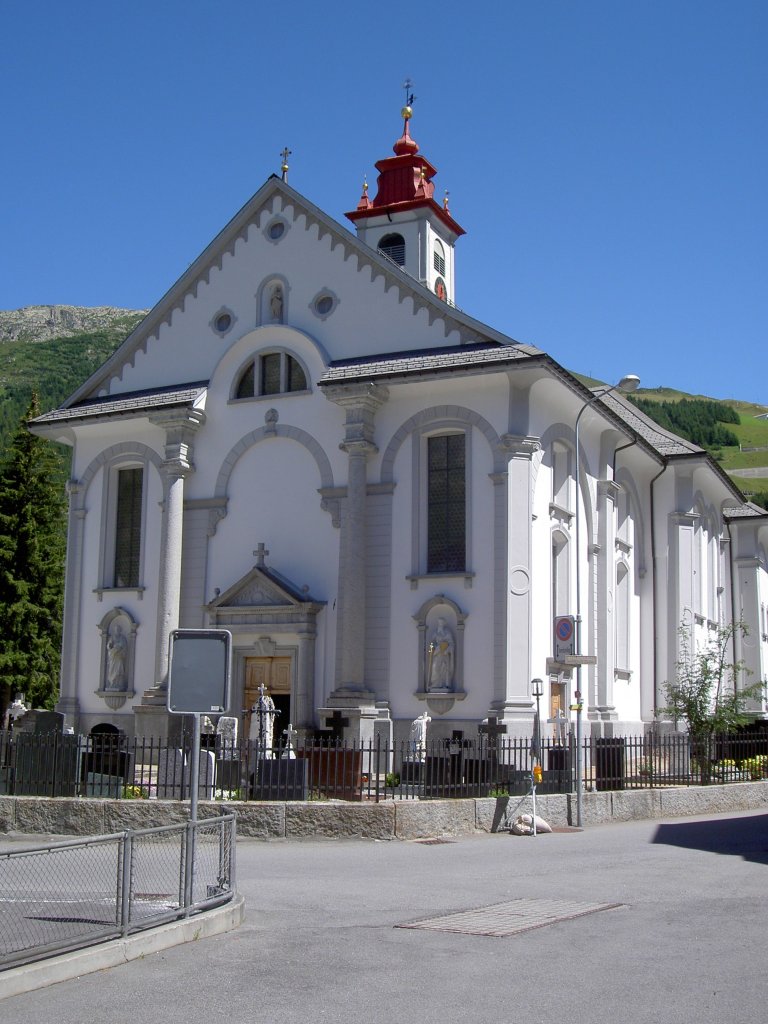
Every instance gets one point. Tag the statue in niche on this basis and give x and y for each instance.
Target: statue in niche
(418, 738)
(117, 659)
(276, 303)
(440, 658)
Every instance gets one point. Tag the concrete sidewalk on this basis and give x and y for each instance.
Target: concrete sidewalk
(323, 936)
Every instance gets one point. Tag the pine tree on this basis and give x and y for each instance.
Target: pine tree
(31, 568)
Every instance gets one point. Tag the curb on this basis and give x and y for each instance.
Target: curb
(18, 980)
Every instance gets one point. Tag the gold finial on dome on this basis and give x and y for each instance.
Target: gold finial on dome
(445, 200)
(284, 166)
(407, 112)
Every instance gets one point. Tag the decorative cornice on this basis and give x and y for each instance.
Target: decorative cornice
(519, 447)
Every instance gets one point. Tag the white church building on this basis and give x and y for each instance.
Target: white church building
(388, 503)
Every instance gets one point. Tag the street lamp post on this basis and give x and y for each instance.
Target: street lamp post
(627, 384)
(537, 689)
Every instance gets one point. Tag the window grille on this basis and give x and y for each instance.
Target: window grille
(270, 374)
(278, 373)
(446, 503)
(130, 485)
(438, 259)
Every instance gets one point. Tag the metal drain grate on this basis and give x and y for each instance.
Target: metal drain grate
(433, 842)
(512, 918)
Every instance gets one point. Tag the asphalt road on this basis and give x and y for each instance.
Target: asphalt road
(323, 937)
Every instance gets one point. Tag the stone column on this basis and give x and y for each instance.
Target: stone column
(605, 593)
(304, 697)
(360, 402)
(681, 566)
(516, 704)
(180, 428)
(68, 703)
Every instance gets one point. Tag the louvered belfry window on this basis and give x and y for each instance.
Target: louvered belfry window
(446, 503)
(130, 485)
(394, 247)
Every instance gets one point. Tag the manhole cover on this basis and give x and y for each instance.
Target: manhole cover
(512, 918)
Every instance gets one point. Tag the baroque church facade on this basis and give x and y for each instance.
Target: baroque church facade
(386, 502)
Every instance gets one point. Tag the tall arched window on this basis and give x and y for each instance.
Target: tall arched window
(446, 503)
(128, 517)
(622, 616)
(438, 258)
(393, 246)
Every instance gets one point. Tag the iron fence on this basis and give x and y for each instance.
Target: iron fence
(72, 894)
(112, 766)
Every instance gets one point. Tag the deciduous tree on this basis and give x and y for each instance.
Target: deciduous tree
(708, 693)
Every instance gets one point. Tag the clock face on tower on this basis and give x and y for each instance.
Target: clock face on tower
(440, 289)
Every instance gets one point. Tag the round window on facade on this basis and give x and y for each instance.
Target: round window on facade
(324, 305)
(223, 322)
(276, 230)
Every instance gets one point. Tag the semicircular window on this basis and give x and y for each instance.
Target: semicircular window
(394, 247)
(272, 373)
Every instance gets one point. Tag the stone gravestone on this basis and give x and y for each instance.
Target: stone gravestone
(206, 776)
(172, 774)
(227, 754)
(44, 758)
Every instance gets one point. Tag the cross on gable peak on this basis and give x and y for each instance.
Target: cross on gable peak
(260, 553)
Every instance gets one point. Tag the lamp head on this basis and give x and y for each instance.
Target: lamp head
(537, 688)
(629, 383)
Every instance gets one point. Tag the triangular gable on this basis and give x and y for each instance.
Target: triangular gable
(468, 329)
(259, 589)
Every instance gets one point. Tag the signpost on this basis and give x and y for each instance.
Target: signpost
(564, 636)
(198, 684)
(199, 675)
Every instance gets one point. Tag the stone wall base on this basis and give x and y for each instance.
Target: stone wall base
(399, 819)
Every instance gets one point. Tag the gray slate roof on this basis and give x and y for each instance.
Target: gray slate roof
(130, 402)
(421, 361)
(664, 441)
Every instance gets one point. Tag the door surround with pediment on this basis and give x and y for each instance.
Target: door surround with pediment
(269, 617)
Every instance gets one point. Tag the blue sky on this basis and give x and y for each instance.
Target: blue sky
(608, 158)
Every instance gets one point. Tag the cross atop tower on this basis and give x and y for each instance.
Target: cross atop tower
(284, 165)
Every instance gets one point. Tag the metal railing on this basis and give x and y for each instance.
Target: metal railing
(114, 767)
(72, 894)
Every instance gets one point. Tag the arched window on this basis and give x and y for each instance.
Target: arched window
(272, 373)
(128, 513)
(438, 258)
(446, 503)
(622, 617)
(394, 247)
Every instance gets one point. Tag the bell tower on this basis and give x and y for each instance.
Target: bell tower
(404, 222)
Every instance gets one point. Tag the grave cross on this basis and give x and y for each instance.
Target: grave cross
(289, 752)
(335, 724)
(492, 728)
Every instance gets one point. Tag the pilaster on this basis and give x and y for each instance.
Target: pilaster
(68, 703)
(516, 703)
(605, 594)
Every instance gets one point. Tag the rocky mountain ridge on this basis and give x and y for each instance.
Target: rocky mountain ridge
(44, 323)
